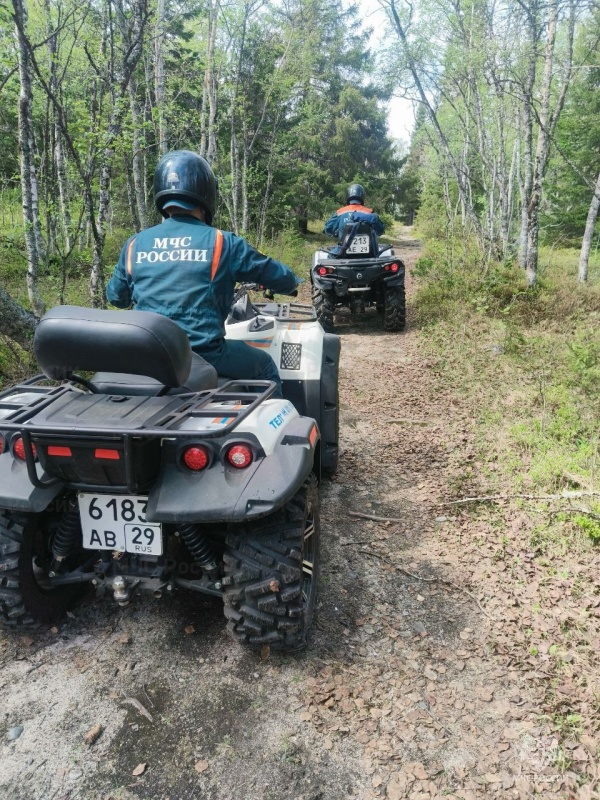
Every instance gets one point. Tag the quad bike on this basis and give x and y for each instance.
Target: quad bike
(359, 273)
(162, 479)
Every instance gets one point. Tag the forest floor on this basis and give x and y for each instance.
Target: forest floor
(417, 682)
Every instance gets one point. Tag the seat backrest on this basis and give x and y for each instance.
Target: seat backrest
(359, 240)
(70, 338)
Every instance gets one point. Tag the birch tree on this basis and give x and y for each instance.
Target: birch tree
(29, 186)
(588, 234)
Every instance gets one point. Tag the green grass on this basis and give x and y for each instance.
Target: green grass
(532, 360)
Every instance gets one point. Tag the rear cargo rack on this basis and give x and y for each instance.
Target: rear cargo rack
(292, 312)
(243, 396)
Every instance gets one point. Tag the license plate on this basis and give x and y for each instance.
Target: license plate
(118, 522)
(360, 244)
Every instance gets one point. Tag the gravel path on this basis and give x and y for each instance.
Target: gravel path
(398, 696)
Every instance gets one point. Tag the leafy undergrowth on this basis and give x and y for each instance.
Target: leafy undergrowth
(527, 364)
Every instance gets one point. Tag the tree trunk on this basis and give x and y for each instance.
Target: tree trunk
(527, 140)
(159, 80)
(588, 235)
(139, 176)
(58, 148)
(302, 218)
(31, 219)
(208, 141)
(132, 48)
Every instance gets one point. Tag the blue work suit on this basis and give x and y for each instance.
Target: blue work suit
(186, 270)
(352, 213)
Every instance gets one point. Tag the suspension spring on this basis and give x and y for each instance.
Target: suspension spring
(199, 548)
(67, 535)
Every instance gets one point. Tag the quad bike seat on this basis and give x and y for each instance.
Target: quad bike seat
(202, 376)
(130, 352)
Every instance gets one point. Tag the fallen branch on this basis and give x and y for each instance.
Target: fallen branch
(401, 421)
(492, 498)
(347, 544)
(372, 516)
(430, 580)
(131, 701)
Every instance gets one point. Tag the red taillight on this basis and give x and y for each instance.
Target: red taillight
(196, 458)
(394, 267)
(19, 448)
(239, 456)
(109, 455)
(322, 270)
(55, 450)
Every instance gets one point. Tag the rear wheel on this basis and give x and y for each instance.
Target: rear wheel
(26, 598)
(324, 309)
(394, 309)
(271, 573)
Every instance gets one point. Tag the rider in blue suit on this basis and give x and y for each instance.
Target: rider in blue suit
(354, 211)
(186, 270)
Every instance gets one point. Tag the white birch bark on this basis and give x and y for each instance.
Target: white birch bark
(31, 220)
(588, 235)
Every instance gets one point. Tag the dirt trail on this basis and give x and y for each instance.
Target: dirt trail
(398, 695)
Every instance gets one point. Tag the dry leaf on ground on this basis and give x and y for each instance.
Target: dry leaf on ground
(93, 734)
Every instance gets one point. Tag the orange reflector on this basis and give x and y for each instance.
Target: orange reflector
(313, 435)
(55, 450)
(112, 455)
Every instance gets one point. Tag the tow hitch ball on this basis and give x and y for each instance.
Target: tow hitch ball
(121, 591)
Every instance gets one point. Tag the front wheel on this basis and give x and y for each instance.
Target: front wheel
(394, 309)
(26, 598)
(324, 309)
(271, 572)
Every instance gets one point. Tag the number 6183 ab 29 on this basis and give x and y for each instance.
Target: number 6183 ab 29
(118, 522)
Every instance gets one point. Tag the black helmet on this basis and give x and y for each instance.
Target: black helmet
(356, 192)
(185, 177)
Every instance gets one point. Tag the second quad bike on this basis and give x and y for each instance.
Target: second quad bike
(149, 475)
(359, 273)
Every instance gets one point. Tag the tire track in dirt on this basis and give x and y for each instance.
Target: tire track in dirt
(396, 697)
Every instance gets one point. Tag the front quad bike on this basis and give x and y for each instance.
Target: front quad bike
(357, 274)
(156, 480)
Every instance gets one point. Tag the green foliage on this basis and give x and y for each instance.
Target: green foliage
(532, 358)
(591, 527)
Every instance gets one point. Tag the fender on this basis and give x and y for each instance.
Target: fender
(396, 278)
(16, 490)
(223, 494)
